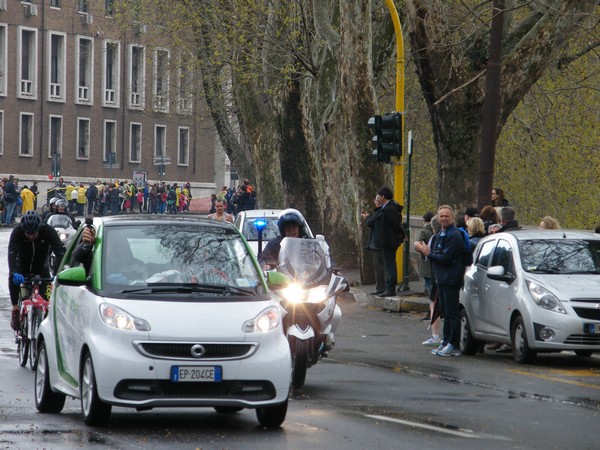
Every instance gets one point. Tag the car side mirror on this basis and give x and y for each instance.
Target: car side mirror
(277, 280)
(73, 276)
(499, 274)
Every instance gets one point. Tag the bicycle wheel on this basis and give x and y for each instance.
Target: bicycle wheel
(22, 342)
(36, 320)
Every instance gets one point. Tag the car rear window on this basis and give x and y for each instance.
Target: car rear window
(560, 256)
(271, 231)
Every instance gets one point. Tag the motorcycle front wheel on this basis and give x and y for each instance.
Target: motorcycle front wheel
(299, 350)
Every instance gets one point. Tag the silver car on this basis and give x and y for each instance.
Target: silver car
(537, 290)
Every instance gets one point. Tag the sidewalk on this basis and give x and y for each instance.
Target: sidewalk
(411, 300)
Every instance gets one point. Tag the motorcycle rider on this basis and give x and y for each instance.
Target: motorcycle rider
(62, 208)
(29, 247)
(291, 224)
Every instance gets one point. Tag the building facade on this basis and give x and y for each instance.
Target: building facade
(82, 98)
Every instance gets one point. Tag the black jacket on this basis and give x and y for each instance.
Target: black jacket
(32, 257)
(388, 232)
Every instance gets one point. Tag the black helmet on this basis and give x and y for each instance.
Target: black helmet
(289, 215)
(62, 203)
(31, 222)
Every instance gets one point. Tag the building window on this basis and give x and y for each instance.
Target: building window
(160, 140)
(111, 74)
(135, 142)
(83, 6)
(26, 135)
(1, 132)
(55, 136)
(161, 81)
(183, 146)
(57, 67)
(55, 3)
(110, 139)
(136, 77)
(83, 139)
(109, 8)
(185, 91)
(85, 70)
(3, 61)
(27, 65)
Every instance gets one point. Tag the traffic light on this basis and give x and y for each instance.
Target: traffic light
(387, 139)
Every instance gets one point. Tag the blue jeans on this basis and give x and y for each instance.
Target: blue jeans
(10, 209)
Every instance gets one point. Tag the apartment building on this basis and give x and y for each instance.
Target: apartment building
(91, 100)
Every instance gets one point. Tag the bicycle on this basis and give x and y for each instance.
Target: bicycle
(32, 310)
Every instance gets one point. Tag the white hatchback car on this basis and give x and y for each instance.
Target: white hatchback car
(244, 221)
(538, 290)
(172, 312)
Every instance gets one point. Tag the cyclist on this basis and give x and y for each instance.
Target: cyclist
(29, 247)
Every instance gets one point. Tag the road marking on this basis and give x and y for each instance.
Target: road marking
(424, 426)
(572, 373)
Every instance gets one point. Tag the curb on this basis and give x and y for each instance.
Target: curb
(395, 304)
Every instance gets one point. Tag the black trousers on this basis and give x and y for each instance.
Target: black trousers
(390, 269)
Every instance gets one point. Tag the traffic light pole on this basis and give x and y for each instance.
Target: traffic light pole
(399, 167)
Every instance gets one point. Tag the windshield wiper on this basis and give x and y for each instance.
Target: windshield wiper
(185, 288)
(543, 270)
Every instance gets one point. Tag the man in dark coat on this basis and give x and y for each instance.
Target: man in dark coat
(388, 235)
(507, 218)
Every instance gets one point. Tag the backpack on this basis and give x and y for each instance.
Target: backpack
(466, 255)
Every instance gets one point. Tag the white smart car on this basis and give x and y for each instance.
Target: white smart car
(167, 312)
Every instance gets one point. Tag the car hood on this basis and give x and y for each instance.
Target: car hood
(192, 320)
(567, 287)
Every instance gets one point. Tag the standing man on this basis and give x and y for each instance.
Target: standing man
(508, 219)
(388, 236)
(35, 190)
(371, 220)
(448, 270)
(10, 199)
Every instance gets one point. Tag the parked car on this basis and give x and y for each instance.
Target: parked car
(173, 312)
(537, 290)
(244, 221)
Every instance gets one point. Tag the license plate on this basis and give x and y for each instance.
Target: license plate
(593, 328)
(196, 373)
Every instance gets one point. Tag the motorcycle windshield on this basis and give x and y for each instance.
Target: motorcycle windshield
(59, 221)
(304, 261)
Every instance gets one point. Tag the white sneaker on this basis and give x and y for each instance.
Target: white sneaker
(439, 349)
(449, 350)
(432, 342)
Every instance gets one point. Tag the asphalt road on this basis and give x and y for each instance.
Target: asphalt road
(379, 389)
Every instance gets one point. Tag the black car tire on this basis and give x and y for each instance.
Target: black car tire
(468, 344)
(272, 416)
(46, 401)
(95, 411)
(522, 353)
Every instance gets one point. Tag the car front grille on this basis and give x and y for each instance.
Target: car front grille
(588, 313)
(583, 339)
(251, 390)
(183, 350)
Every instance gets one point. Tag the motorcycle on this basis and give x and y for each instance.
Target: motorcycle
(65, 228)
(309, 301)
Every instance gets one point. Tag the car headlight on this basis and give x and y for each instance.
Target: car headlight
(267, 320)
(544, 298)
(63, 236)
(115, 317)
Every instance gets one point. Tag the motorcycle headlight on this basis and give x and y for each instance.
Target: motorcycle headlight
(267, 320)
(317, 294)
(294, 293)
(544, 298)
(115, 317)
(63, 236)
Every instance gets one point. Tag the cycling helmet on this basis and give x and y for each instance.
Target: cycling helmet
(62, 203)
(31, 222)
(289, 215)
(53, 200)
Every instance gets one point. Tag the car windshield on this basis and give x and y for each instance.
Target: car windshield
(177, 258)
(271, 231)
(560, 256)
